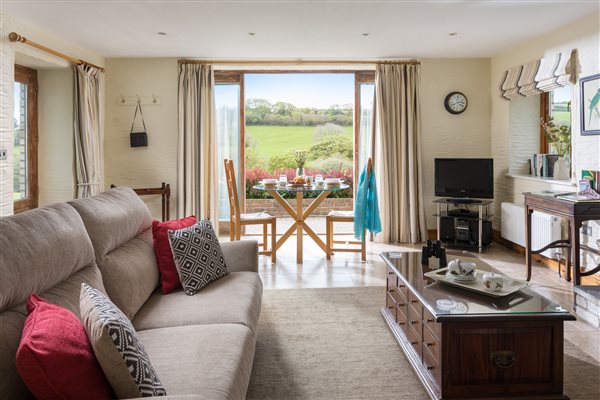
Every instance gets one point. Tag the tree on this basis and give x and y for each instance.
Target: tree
(332, 145)
(283, 108)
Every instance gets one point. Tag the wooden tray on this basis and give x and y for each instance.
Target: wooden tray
(510, 285)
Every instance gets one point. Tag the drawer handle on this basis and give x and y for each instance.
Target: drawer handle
(401, 305)
(401, 323)
(414, 322)
(430, 320)
(430, 344)
(429, 367)
(414, 301)
(503, 358)
(413, 343)
(401, 286)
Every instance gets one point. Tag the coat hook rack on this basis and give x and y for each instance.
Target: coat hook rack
(134, 100)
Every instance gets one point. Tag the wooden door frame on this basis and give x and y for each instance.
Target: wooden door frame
(28, 76)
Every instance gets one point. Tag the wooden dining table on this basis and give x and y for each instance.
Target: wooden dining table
(300, 214)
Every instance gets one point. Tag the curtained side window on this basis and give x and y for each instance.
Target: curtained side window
(25, 178)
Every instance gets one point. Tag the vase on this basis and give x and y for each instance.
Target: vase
(300, 171)
(562, 168)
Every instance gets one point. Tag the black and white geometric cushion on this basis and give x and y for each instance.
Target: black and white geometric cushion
(197, 255)
(117, 347)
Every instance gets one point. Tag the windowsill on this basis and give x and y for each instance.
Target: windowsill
(551, 181)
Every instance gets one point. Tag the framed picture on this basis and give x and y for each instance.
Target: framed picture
(590, 105)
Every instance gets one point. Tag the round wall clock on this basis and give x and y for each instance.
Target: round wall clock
(455, 102)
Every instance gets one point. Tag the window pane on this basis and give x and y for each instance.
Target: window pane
(560, 109)
(20, 189)
(365, 132)
(227, 103)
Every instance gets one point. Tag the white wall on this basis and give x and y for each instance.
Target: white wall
(8, 51)
(583, 35)
(142, 166)
(445, 134)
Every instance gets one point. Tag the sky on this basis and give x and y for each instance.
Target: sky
(302, 90)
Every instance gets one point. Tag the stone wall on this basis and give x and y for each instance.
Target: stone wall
(272, 207)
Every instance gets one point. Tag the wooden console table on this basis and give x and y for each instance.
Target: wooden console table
(575, 213)
(465, 345)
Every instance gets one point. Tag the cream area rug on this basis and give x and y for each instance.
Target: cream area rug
(333, 344)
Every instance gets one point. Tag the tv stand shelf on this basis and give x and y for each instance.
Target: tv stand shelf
(464, 223)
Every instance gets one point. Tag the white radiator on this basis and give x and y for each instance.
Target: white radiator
(545, 228)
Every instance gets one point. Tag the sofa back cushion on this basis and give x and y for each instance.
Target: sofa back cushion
(119, 225)
(45, 251)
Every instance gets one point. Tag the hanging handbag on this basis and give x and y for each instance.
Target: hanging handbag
(138, 139)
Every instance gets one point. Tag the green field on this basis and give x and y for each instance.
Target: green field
(562, 116)
(271, 140)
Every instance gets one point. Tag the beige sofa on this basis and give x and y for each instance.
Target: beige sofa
(201, 346)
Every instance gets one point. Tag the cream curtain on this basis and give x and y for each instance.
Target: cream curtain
(196, 148)
(398, 153)
(88, 131)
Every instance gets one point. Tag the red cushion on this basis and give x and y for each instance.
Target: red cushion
(55, 358)
(169, 278)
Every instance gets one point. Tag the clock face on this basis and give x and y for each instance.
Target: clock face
(456, 103)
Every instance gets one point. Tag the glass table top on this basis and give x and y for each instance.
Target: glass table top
(300, 188)
(445, 301)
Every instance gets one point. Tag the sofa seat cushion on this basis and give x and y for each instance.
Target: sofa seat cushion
(214, 361)
(235, 298)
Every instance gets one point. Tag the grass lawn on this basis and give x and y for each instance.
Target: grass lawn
(272, 140)
(562, 116)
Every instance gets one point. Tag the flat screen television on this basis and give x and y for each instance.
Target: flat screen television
(464, 177)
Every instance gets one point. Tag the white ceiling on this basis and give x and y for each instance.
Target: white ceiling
(297, 29)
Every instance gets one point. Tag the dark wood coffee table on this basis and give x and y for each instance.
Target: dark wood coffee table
(465, 345)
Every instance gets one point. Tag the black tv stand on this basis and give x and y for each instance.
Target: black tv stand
(461, 227)
(463, 201)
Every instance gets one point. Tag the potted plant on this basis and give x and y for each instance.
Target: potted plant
(300, 158)
(559, 138)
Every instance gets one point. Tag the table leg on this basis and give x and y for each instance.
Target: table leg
(568, 262)
(299, 223)
(575, 241)
(528, 212)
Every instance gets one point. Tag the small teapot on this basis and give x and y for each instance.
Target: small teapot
(458, 268)
(493, 282)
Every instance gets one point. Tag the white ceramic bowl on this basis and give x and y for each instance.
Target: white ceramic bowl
(269, 181)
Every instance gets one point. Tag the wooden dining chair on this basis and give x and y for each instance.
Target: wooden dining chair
(237, 220)
(344, 216)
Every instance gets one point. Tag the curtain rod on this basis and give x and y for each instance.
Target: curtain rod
(15, 37)
(298, 62)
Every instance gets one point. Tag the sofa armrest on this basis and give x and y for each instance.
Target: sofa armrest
(241, 255)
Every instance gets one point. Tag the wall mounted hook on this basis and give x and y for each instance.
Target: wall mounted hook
(154, 99)
(122, 99)
(139, 101)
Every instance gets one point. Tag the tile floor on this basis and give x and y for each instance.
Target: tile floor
(347, 270)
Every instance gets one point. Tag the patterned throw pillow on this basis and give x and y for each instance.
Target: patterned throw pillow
(198, 256)
(117, 347)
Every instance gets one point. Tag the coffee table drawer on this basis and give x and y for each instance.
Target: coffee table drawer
(391, 304)
(432, 366)
(402, 289)
(392, 280)
(429, 321)
(432, 344)
(415, 303)
(414, 339)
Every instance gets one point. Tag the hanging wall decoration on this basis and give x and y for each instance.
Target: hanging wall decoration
(590, 105)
